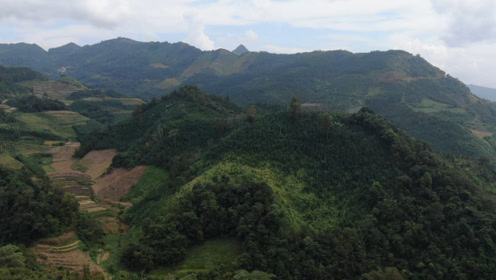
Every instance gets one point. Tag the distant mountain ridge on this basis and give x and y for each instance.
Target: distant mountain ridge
(484, 92)
(406, 89)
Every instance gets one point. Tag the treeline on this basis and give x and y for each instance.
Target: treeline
(32, 209)
(10, 76)
(31, 104)
(94, 93)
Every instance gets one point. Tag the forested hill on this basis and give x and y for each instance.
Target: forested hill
(305, 195)
(406, 89)
(10, 77)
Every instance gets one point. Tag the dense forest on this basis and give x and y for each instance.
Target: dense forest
(308, 195)
(340, 192)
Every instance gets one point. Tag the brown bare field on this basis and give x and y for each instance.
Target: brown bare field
(70, 176)
(106, 255)
(481, 134)
(158, 65)
(111, 188)
(62, 112)
(78, 190)
(98, 162)
(62, 156)
(123, 100)
(112, 225)
(96, 209)
(74, 260)
(60, 240)
(115, 185)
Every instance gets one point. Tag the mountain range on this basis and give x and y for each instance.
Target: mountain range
(286, 172)
(418, 97)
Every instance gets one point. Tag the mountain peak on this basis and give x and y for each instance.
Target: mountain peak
(240, 50)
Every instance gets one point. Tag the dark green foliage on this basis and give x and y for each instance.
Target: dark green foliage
(89, 229)
(209, 211)
(31, 209)
(153, 138)
(5, 117)
(31, 165)
(94, 110)
(396, 208)
(19, 74)
(9, 77)
(31, 103)
(69, 80)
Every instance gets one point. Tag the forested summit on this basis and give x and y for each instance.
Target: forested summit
(307, 195)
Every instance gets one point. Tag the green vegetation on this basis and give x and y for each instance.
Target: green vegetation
(11, 76)
(416, 96)
(149, 182)
(306, 195)
(31, 103)
(215, 255)
(70, 80)
(32, 209)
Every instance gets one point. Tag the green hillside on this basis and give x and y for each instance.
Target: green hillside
(297, 195)
(416, 96)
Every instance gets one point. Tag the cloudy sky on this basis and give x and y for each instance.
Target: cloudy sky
(459, 36)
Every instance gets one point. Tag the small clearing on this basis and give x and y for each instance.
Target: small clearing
(98, 162)
(60, 240)
(72, 259)
(112, 187)
(158, 65)
(61, 112)
(481, 134)
(62, 156)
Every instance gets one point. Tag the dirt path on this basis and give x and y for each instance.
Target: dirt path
(63, 251)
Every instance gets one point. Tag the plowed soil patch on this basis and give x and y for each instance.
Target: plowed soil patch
(70, 176)
(62, 157)
(63, 112)
(481, 134)
(115, 185)
(74, 260)
(113, 225)
(98, 162)
(60, 240)
(78, 190)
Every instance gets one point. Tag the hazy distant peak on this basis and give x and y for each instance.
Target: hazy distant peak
(70, 47)
(240, 50)
(484, 92)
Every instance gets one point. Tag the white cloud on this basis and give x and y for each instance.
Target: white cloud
(196, 33)
(283, 50)
(468, 21)
(250, 37)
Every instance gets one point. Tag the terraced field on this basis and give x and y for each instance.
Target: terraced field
(64, 251)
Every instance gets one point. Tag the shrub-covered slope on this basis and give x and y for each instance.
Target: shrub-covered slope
(308, 195)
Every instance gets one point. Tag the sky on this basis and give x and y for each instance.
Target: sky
(458, 36)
